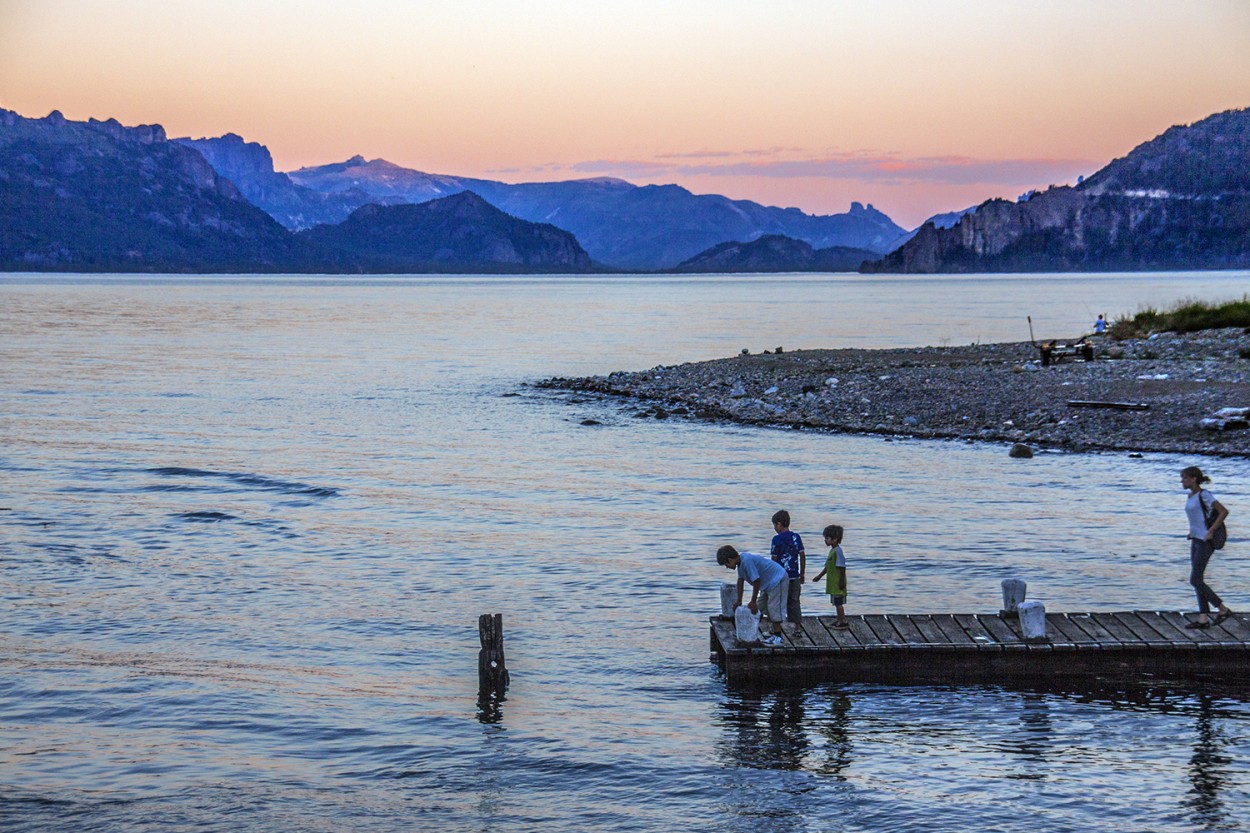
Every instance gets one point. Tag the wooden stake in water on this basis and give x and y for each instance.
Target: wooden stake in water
(492, 674)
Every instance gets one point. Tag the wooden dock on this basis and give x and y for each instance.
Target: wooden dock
(979, 647)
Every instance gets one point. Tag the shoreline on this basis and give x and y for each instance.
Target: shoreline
(987, 392)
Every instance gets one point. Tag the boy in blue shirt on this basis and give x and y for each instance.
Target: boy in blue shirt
(765, 577)
(787, 550)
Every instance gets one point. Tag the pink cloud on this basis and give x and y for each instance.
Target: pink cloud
(861, 167)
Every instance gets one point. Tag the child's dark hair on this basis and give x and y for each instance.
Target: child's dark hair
(833, 531)
(724, 554)
(1196, 474)
(782, 517)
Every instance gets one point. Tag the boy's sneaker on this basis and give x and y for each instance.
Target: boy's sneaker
(772, 641)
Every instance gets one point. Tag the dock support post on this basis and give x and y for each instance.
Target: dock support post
(492, 674)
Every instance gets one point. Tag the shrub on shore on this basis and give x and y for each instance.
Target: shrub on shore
(1185, 317)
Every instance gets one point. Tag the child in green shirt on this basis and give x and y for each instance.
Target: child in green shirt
(835, 573)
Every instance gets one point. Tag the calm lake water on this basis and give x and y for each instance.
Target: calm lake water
(247, 526)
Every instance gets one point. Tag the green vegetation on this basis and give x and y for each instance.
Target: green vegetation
(1185, 317)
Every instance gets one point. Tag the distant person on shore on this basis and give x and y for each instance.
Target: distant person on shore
(766, 578)
(834, 574)
(1100, 326)
(1205, 515)
(787, 550)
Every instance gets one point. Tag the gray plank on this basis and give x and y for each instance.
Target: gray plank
(844, 639)
(1113, 626)
(907, 629)
(862, 632)
(797, 636)
(1198, 636)
(1143, 631)
(1237, 627)
(817, 635)
(1170, 633)
(1002, 630)
(1152, 620)
(725, 633)
(1067, 633)
(976, 631)
(1087, 623)
(925, 624)
(954, 633)
(885, 632)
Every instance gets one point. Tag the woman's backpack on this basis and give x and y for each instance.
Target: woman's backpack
(1220, 537)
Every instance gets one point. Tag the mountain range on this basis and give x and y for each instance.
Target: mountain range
(1178, 201)
(99, 196)
(624, 226)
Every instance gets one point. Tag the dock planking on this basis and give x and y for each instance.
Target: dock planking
(987, 647)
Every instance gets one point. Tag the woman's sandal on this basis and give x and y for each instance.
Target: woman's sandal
(1223, 616)
(1199, 624)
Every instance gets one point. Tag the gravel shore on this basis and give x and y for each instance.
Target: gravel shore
(989, 392)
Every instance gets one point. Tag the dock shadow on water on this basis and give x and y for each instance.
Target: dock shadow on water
(1064, 747)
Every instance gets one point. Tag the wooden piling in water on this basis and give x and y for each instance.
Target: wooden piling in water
(492, 673)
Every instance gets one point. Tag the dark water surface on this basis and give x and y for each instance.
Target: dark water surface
(247, 526)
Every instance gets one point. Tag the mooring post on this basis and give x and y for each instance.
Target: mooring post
(1013, 594)
(1033, 621)
(492, 674)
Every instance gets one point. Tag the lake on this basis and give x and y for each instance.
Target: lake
(247, 525)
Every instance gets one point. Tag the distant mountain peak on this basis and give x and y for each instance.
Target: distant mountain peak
(457, 233)
(607, 180)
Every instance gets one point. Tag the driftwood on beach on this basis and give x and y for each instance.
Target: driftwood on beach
(992, 392)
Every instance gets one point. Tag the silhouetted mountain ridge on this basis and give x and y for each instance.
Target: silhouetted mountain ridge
(459, 233)
(250, 166)
(1179, 201)
(97, 196)
(647, 227)
(775, 253)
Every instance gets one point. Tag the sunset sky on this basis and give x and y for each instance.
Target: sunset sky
(916, 107)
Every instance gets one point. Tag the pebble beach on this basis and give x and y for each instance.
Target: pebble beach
(1144, 395)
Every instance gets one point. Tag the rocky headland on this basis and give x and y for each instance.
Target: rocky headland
(1179, 201)
(988, 392)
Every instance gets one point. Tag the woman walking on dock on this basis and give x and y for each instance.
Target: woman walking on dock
(1206, 515)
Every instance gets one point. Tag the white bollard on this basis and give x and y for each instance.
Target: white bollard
(1013, 594)
(728, 598)
(1033, 621)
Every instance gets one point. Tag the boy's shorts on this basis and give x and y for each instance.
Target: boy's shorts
(772, 602)
(838, 600)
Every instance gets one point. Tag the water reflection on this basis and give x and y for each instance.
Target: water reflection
(835, 730)
(490, 707)
(769, 730)
(1208, 768)
(1034, 737)
(1070, 739)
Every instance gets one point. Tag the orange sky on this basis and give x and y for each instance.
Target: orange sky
(916, 107)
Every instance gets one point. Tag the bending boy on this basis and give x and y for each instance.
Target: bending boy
(766, 579)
